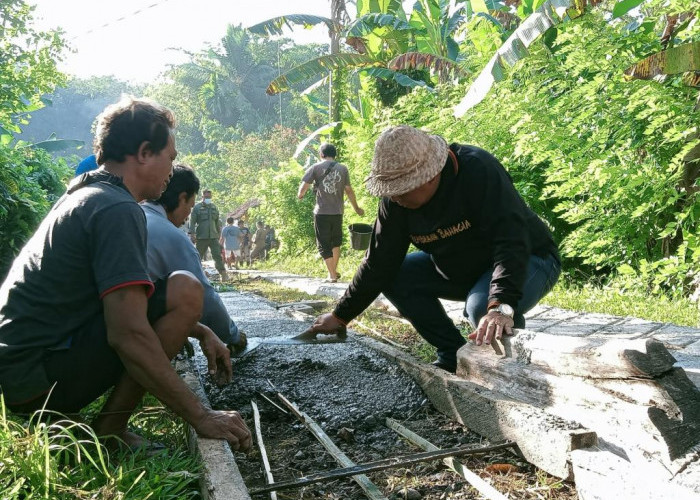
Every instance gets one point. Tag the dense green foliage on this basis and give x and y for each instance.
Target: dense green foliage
(600, 158)
(30, 181)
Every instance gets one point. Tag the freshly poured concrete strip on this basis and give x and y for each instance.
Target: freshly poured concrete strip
(221, 479)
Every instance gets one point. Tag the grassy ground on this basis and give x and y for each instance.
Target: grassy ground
(62, 459)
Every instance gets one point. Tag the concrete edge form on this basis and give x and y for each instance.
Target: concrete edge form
(544, 440)
(221, 479)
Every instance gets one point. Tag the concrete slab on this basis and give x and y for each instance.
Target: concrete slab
(632, 326)
(690, 364)
(676, 337)
(693, 348)
(536, 311)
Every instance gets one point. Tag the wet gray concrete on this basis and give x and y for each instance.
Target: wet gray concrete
(339, 385)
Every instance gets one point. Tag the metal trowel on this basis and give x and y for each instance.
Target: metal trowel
(305, 338)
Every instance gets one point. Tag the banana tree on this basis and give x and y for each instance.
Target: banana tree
(335, 25)
(386, 42)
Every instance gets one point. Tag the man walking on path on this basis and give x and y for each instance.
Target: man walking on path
(78, 312)
(478, 241)
(205, 227)
(331, 181)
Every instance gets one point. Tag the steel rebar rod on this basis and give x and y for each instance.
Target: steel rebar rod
(387, 463)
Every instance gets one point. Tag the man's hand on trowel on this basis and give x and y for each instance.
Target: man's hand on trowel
(327, 324)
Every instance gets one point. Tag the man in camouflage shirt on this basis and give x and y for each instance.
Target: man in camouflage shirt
(205, 228)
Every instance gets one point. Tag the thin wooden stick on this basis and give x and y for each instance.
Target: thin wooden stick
(377, 333)
(479, 484)
(263, 452)
(387, 463)
(262, 395)
(372, 491)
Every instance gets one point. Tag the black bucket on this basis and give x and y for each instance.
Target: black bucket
(360, 234)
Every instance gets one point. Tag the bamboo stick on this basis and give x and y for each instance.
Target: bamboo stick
(377, 333)
(473, 479)
(263, 452)
(372, 491)
(262, 395)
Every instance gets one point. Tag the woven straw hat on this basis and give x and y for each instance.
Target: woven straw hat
(405, 158)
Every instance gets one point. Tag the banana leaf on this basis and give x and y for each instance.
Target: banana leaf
(623, 7)
(53, 145)
(418, 60)
(305, 142)
(681, 59)
(386, 74)
(275, 25)
(318, 67)
(550, 13)
(369, 22)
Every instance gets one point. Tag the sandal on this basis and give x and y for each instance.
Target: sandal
(143, 445)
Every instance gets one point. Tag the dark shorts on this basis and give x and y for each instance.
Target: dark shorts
(329, 233)
(89, 367)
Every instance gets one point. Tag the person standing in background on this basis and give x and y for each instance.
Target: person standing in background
(245, 242)
(331, 182)
(231, 241)
(258, 251)
(205, 228)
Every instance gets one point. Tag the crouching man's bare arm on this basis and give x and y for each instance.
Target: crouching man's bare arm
(146, 352)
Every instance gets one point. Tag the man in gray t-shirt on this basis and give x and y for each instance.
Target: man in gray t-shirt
(331, 181)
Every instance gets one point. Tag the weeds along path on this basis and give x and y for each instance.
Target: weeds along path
(349, 391)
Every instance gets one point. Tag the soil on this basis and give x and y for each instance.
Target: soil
(349, 391)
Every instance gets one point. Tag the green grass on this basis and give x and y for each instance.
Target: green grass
(623, 302)
(61, 459)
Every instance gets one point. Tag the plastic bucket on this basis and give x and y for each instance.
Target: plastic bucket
(360, 234)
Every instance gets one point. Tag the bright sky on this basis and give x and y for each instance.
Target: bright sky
(137, 47)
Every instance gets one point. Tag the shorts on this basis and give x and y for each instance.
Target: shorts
(236, 252)
(89, 367)
(329, 233)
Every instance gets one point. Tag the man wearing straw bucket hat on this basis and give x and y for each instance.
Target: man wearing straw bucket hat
(477, 240)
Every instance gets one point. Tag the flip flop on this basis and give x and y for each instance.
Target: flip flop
(149, 448)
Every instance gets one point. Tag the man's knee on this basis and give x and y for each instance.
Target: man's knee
(185, 293)
(325, 251)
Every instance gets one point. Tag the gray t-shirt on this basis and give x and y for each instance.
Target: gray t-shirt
(169, 250)
(93, 241)
(329, 195)
(232, 237)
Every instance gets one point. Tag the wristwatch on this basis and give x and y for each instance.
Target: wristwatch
(504, 309)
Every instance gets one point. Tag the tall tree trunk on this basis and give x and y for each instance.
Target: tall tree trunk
(339, 16)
